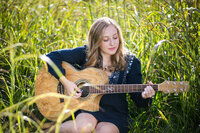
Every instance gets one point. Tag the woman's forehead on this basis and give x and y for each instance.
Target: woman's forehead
(110, 31)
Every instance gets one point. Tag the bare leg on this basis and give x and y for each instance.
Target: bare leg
(106, 127)
(84, 122)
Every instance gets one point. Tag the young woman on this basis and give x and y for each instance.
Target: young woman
(104, 51)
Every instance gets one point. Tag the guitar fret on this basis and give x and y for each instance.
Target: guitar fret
(119, 89)
(125, 88)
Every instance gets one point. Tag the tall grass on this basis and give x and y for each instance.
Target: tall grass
(164, 35)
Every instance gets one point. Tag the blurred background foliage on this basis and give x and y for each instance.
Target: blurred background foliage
(164, 35)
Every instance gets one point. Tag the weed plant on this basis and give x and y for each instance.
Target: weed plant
(164, 35)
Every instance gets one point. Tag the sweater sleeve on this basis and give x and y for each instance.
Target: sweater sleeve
(135, 77)
(72, 56)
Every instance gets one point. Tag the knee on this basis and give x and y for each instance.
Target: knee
(85, 128)
(104, 129)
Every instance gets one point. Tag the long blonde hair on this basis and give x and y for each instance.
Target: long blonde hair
(95, 37)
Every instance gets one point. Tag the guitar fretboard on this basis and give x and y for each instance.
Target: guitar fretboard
(123, 88)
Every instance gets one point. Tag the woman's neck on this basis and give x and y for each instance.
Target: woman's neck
(107, 61)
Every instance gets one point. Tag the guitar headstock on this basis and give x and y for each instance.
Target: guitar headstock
(173, 86)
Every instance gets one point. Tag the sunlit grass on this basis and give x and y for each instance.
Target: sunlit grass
(164, 35)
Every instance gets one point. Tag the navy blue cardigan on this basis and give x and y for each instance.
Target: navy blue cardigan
(114, 107)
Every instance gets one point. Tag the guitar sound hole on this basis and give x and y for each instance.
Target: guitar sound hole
(82, 85)
(85, 91)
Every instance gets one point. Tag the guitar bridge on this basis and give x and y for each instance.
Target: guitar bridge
(60, 90)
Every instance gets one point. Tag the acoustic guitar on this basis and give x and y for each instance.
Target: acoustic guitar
(93, 83)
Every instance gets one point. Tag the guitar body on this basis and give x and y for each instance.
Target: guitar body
(51, 106)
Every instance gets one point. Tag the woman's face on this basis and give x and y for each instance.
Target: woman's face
(110, 42)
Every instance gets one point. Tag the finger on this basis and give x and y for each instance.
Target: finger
(151, 91)
(77, 95)
(148, 92)
(78, 91)
(145, 93)
(149, 82)
(148, 89)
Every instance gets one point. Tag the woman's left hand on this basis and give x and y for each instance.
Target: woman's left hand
(148, 91)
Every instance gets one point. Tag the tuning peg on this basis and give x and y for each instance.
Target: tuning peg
(185, 86)
(168, 92)
(176, 94)
(168, 81)
(174, 82)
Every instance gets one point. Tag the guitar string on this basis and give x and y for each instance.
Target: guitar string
(118, 88)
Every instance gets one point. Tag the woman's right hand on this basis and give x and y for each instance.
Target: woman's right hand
(70, 87)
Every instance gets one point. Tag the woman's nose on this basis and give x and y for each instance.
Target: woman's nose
(112, 42)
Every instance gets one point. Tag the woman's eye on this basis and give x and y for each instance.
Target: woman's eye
(115, 37)
(105, 40)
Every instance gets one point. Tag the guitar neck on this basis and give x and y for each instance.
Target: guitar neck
(122, 88)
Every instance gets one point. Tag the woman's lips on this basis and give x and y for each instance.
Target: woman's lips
(111, 49)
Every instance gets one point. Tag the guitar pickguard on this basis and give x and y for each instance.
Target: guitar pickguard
(60, 90)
